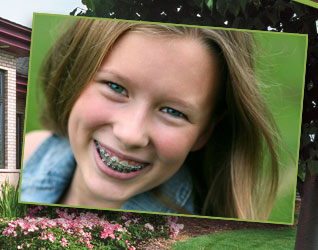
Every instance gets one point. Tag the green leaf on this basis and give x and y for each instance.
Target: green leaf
(89, 4)
(221, 6)
(234, 7)
(85, 2)
(310, 85)
(302, 170)
(243, 4)
(313, 153)
(209, 3)
(313, 167)
(237, 22)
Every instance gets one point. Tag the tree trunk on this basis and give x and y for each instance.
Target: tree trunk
(307, 230)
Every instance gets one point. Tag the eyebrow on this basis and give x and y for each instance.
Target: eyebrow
(113, 73)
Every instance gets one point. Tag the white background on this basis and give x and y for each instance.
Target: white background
(21, 11)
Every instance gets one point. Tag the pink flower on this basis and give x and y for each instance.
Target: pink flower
(107, 233)
(123, 217)
(63, 214)
(64, 242)
(63, 222)
(9, 230)
(175, 229)
(51, 237)
(51, 223)
(32, 228)
(90, 246)
(43, 235)
(130, 247)
(127, 223)
(172, 219)
(149, 226)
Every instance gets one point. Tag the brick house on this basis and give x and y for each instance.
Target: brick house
(14, 56)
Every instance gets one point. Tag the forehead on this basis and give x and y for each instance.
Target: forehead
(172, 65)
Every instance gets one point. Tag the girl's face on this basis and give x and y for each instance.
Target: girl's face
(134, 124)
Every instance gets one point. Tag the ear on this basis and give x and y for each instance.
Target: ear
(203, 138)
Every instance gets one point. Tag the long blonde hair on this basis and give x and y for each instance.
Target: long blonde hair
(229, 174)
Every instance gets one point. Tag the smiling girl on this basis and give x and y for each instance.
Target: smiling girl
(152, 117)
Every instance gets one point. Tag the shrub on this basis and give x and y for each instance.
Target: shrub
(9, 206)
(72, 228)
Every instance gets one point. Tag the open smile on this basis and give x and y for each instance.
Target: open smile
(116, 163)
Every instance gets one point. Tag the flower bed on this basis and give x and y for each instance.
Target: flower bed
(55, 228)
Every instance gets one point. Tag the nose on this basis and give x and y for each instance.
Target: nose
(131, 128)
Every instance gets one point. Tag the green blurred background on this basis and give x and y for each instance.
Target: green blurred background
(280, 64)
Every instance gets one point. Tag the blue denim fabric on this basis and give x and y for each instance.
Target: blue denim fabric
(48, 173)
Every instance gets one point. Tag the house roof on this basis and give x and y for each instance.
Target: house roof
(15, 38)
(23, 65)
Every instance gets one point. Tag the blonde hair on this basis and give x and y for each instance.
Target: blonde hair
(233, 180)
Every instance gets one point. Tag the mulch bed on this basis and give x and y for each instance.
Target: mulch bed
(194, 227)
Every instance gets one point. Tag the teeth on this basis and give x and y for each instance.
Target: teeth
(124, 163)
(113, 162)
(114, 159)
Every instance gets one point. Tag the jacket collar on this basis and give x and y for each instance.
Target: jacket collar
(48, 173)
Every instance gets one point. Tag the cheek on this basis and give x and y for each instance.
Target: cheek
(88, 112)
(174, 145)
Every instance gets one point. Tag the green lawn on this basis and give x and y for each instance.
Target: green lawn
(242, 239)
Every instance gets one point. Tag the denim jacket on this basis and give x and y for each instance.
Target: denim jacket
(48, 173)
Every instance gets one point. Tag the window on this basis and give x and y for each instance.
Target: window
(2, 120)
(20, 119)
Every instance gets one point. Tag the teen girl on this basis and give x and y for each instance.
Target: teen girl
(154, 118)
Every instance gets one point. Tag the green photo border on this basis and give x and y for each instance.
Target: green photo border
(308, 2)
(280, 64)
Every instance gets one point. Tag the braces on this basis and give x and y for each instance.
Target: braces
(113, 163)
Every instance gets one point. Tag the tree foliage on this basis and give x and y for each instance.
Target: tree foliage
(277, 15)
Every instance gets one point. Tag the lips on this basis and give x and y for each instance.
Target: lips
(116, 162)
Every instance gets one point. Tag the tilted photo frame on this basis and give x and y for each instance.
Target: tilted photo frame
(144, 153)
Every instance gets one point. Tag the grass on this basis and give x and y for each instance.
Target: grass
(242, 239)
(9, 206)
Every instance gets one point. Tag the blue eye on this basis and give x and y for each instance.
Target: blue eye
(173, 112)
(117, 88)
